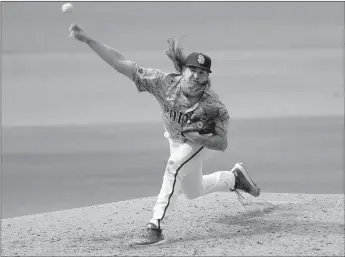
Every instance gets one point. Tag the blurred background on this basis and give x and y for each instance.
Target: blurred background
(75, 132)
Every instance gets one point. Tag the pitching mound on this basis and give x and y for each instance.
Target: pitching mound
(217, 224)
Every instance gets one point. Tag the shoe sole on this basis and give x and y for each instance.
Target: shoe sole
(246, 175)
(134, 245)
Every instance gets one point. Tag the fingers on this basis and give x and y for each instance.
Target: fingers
(74, 30)
(75, 27)
(193, 118)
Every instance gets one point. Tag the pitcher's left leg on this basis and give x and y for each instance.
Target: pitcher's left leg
(184, 154)
(174, 173)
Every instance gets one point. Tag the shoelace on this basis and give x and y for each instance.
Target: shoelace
(240, 198)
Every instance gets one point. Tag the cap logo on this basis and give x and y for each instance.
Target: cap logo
(201, 59)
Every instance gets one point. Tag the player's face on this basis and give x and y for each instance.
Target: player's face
(196, 79)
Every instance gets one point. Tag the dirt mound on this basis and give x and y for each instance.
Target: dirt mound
(216, 224)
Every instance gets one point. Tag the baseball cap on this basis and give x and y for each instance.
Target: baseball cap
(199, 60)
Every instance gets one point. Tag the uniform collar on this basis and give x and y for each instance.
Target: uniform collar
(197, 104)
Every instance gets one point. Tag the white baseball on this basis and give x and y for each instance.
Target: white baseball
(67, 7)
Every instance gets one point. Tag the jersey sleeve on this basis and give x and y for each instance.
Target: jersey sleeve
(222, 120)
(147, 79)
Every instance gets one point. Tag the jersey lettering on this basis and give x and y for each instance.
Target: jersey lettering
(173, 115)
(181, 118)
(185, 118)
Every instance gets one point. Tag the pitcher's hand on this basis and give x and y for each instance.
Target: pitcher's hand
(78, 33)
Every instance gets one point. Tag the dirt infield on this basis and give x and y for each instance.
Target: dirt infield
(272, 224)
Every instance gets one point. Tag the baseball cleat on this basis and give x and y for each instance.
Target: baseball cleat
(153, 236)
(243, 181)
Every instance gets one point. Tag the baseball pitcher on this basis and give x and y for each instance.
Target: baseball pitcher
(195, 121)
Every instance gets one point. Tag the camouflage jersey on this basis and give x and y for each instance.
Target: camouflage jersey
(166, 88)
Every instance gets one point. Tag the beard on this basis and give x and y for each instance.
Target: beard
(194, 87)
(193, 82)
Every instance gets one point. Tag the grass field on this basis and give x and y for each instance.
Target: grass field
(53, 168)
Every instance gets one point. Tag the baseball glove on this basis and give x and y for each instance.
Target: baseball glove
(202, 120)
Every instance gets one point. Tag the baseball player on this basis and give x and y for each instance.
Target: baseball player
(196, 124)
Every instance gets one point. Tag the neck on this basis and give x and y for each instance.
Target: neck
(193, 99)
(184, 86)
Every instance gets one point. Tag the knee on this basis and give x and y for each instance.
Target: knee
(171, 163)
(172, 166)
(191, 195)
(170, 170)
